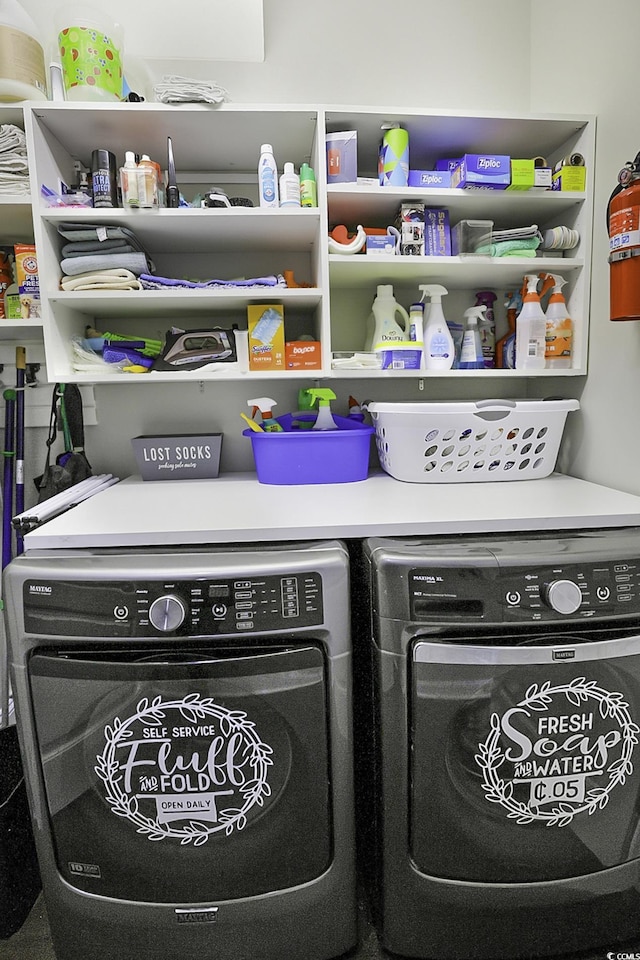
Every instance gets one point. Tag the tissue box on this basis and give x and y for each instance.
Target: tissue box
(342, 156)
(430, 178)
(570, 178)
(437, 233)
(187, 456)
(482, 172)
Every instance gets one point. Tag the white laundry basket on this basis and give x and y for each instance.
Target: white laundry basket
(434, 442)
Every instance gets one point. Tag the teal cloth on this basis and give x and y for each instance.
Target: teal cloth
(511, 248)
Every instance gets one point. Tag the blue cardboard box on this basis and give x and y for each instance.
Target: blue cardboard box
(437, 232)
(430, 178)
(482, 171)
(447, 163)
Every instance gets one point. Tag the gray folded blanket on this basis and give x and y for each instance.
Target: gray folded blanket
(135, 262)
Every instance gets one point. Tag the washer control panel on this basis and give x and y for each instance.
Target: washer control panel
(189, 608)
(520, 594)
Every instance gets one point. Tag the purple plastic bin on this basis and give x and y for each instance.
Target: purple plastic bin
(312, 456)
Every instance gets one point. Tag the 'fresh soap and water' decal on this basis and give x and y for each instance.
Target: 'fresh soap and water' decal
(184, 769)
(561, 751)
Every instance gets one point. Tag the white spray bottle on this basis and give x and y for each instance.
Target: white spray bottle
(471, 356)
(438, 349)
(559, 328)
(531, 326)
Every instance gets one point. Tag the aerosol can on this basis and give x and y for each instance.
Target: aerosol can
(531, 328)
(559, 328)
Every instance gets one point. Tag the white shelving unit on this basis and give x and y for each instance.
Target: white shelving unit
(219, 146)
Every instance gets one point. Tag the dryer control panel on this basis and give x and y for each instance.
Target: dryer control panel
(186, 608)
(524, 594)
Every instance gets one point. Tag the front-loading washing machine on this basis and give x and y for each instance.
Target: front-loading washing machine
(497, 742)
(185, 723)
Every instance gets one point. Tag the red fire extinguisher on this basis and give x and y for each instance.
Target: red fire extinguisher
(623, 225)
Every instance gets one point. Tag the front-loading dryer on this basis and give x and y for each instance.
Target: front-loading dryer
(498, 760)
(185, 722)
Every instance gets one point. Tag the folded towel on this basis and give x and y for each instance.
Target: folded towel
(102, 280)
(150, 282)
(14, 184)
(511, 248)
(137, 263)
(108, 248)
(175, 89)
(12, 139)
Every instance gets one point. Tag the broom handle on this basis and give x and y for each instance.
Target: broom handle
(7, 487)
(21, 366)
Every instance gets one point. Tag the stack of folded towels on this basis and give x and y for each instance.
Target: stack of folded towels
(14, 170)
(99, 257)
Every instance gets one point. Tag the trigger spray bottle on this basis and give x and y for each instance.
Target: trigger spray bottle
(437, 343)
(531, 327)
(559, 328)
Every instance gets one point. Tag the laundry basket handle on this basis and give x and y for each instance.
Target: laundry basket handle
(495, 409)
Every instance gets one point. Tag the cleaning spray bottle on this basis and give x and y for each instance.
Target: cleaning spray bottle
(324, 420)
(263, 406)
(487, 327)
(506, 345)
(471, 357)
(530, 328)
(386, 331)
(438, 349)
(559, 335)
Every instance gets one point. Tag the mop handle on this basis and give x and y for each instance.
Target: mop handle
(21, 366)
(7, 486)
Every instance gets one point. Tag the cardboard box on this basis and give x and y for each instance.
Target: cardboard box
(526, 176)
(482, 171)
(437, 232)
(342, 156)
(410, 223)
(303, 355)
(437, 179)
(266, 336)
(570, 178)
(27, 279)
(187, 456)
(381, 243)
(448, 163)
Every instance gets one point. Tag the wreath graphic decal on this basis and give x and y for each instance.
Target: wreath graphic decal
(578, 692)
(250, 772)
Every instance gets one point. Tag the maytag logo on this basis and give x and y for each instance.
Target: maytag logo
(205, 915)
(564, 654)
(40, 588)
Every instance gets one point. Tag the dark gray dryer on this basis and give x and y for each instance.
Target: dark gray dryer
(185, 722)
(499, 748)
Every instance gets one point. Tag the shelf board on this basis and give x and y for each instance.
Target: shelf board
(359, 271)
(16, 219)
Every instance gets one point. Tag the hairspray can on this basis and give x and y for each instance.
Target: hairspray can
(395, 157)
(103, 179)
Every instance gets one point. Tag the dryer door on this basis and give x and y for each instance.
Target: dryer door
(191, 778)
(524, 761)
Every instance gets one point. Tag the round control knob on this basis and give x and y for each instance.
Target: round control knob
(167, 613)
(563, 596)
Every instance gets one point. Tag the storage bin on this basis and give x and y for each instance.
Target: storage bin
(464, 442)
(312, 456)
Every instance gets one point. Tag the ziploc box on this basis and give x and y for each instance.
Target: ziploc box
(437, 179)
(266, 336)
(437, 232)
(482, 171)
(26, 269)
(342, 156)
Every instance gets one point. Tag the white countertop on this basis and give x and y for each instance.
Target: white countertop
(237, 508)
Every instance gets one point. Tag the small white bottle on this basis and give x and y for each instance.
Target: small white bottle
(147, 183)
(289, 187)
(438, 349)
(531, 328)
(129, 180)
(267, 177)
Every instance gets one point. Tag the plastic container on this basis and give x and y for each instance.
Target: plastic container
(531, 328)
(312, 456)
(91, 48)
(466, 442)
(289, 187)
(267, 177)
(147, 180)
(472, 238)
(22, 65)
(129, 180)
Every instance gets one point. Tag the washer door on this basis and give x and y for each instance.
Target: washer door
(524, 761)
(191, 778)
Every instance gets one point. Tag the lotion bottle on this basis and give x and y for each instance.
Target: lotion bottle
(289, 187)
(531, 327)
(471, 357)
(438, 348)
(308, 186)
(267, 177)
(559, 329)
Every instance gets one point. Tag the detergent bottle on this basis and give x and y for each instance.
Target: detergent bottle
(487, 327)
(559, 328)
(471, 357)
(264, 406)
(438, 348)
(531, 326)
(324, 420)
(386, 331)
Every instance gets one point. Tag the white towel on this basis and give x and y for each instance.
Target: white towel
(175, 89)
(114, 279)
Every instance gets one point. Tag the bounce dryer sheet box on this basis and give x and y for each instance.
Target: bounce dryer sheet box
(484, 171)
(303, 355)
(437, 179)
(437, 232)
(342, 156)
(187, 456)
(266, 336)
